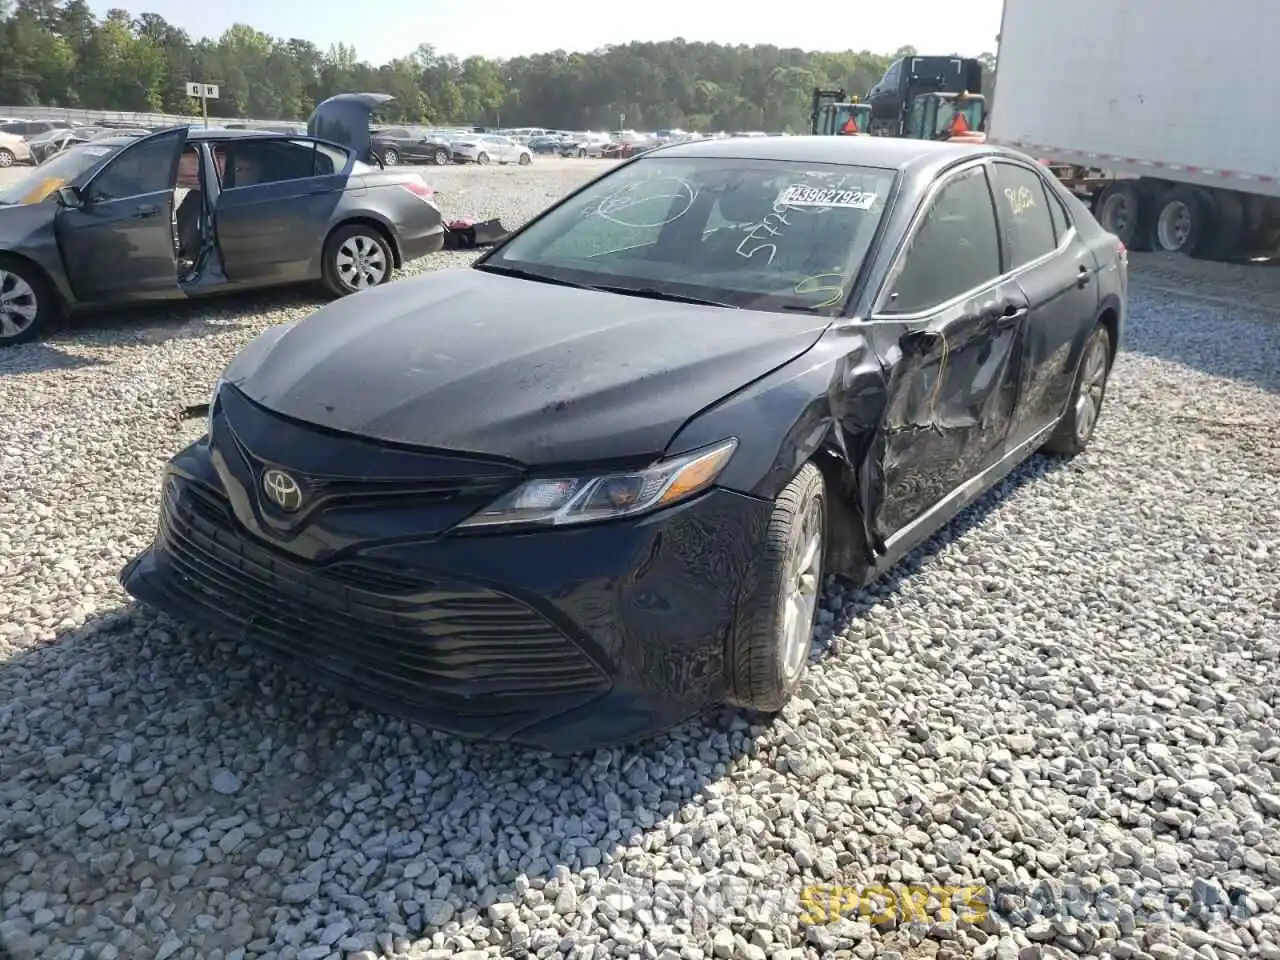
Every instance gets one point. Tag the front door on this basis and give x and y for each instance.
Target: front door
(1058, 274)
(277, 200)
(948, 330)
(119, 245)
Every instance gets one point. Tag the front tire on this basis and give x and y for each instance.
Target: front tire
(356, 257)
(391, 158)
(6, 157)
(441, 157)
(482, 159)
(525, 159)
(26, 302)
(1085, 407)
(772, 639)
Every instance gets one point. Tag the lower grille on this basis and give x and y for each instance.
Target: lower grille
(427, 641)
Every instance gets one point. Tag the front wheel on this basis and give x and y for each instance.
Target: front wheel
(6, 157)
(26, 303)
(773, 636)
(1077, 426)
(582, 154)
(482, 159)
(525, 159)
(441, 157)
(356, 258)
(391, 158)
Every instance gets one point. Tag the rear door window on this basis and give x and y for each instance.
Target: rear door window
(1025, 219)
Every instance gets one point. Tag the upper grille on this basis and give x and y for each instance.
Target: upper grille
(420, 640)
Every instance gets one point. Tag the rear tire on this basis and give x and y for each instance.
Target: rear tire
(525, 159)
(27, 303)
(773, 636)
(1185, 221)
(482, 159)
(1085, 406)
(6, 157)
(356, 257)
(1124, 208)
(582, 154)
(441, 157)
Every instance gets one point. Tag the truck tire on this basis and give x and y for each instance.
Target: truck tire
(1186, 221)
(1227, 241)
(1125, 209)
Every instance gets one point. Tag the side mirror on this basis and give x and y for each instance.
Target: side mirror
(70, 197)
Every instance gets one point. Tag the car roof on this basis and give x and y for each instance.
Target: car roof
(201, 133)
(889, 153)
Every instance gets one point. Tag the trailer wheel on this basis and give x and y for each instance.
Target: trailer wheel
(1185, 222)
(1124, 208)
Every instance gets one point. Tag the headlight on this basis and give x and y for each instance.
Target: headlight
(555, 501)
(213, 406)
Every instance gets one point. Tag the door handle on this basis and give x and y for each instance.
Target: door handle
(1084, 276)
(1007, 314)
(146, 210)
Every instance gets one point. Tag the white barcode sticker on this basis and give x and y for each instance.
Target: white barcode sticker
(799, 195)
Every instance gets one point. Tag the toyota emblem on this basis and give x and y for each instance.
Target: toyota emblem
(282, 490)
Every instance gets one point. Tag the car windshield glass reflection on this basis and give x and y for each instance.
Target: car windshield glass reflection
(44, 180)
(761, 234)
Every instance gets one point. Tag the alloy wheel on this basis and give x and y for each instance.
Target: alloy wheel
(802, 583)
(391, 158)
(19, 305)
(1093, 384)
(361, 262)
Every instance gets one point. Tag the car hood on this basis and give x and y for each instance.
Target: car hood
(472, 362)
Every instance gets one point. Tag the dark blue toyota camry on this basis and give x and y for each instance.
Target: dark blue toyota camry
(591, 485)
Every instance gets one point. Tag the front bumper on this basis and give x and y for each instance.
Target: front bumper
(564, 640)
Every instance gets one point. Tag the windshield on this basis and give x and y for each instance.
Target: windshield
(762, 234)
(41, 182)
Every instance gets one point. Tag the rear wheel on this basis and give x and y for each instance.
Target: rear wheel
(581, 153)
(356, 258)
(1185, 222)
(773, 637)
(525, 159)
(482, 159)
(391, 158)
(441, 157)
(26, 302)
(1124, 208)
(1077, 427)
(6, 157)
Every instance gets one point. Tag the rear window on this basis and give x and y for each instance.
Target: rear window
(762, 234)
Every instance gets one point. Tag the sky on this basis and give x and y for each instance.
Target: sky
(382, 29)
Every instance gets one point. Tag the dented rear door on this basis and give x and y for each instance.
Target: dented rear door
(949, 330)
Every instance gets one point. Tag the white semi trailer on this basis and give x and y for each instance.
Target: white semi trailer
(1164, 114)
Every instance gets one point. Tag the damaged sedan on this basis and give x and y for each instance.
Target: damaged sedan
(188, 211)
(737, 367)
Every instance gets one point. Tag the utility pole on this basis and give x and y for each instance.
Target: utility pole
(206, 92)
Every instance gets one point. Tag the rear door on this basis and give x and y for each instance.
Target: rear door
(1058, 275)
(948, 328)
(120, 244)
(278, 197)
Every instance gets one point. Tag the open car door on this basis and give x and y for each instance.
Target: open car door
(345, 119)
(117, 238)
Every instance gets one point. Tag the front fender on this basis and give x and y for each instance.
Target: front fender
(827, 406)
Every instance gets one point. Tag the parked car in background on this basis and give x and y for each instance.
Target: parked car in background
(102, 222)
(33, 128)
(405, 145)
(584, 145)
(13, 149)
(51, 144)
(546, 145)
(510, 537)
(490, 148)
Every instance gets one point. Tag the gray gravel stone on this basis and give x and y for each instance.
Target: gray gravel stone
(1071, 697)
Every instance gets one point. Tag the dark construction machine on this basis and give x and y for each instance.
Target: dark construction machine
(833, 110)
(921, 97)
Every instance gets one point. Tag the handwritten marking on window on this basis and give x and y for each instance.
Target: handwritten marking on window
(647, 205)
(1021, 199)
(828, 283)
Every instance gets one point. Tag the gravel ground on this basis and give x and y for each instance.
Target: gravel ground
(1074, 689)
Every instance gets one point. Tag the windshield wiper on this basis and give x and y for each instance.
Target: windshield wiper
(653, 293)
(525, 275)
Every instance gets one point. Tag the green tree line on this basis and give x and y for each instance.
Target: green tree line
(58, 54)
